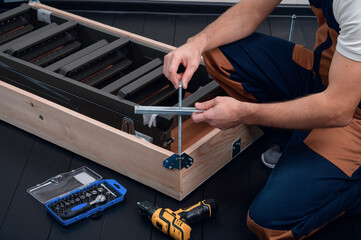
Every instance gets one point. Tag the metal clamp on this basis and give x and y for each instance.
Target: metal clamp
(236, 148)
(128, 126)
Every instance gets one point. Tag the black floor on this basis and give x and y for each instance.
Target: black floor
(26, 160)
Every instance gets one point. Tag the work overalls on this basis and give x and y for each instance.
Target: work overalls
(318, 177)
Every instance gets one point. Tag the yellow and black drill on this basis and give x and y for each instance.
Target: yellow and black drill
(175, 223)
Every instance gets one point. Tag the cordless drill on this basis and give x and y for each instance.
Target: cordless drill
(175, 223)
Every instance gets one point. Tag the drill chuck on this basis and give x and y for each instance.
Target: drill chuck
(146, 208)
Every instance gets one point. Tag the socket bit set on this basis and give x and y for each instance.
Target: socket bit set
(89, 200)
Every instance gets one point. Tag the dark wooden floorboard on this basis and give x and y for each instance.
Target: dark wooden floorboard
(160, 27)
(26, 160)
(230, 188)
(211, 19)
(187, 26)
(26, 217)
(309, 28)
(338, 229)
(356, 223)
(126, 214)
(280, 27)
(84, 229)
(130, 22)
(16, 146)
(106, 18)
(264, 27)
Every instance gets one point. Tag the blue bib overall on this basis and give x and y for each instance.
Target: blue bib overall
(318, 177)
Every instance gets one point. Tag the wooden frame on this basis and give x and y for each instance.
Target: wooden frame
(120, 151)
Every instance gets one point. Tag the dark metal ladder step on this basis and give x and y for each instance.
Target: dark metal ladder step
(32, 53)
(59, 64)
(141, 83)
(58, 53)
(160, 97)
(40, 40)
(108, 72)
(95, 61)
(25, 38)
(132, 76)
(4, 17)
(15, 33)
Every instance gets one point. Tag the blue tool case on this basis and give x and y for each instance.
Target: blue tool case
(76, 195)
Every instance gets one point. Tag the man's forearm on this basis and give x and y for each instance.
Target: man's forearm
(314, 111)
(236, 23)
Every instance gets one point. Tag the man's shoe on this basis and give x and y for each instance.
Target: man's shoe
(271, 156)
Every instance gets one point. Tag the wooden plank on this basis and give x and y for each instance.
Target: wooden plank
(212, 152)
(105, 27)
(27, 218)
(101, 143)
(16, 146)
(191, 133)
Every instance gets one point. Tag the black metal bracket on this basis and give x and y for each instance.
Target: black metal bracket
(179, 162)
(236, 148)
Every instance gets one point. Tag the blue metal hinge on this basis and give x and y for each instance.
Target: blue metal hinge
(179, 162)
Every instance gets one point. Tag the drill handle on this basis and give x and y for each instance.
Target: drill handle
(198, 212)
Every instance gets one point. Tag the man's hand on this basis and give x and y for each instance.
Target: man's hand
(189, 55)
(238, 22)
(222, 112)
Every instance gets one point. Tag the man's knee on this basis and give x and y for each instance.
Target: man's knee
(263, 221)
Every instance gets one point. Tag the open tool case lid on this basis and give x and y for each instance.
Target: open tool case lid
(63, 184)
